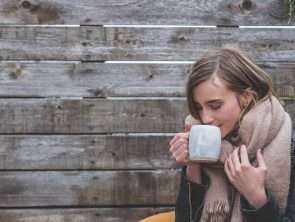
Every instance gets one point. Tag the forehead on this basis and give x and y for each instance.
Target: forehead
(212, 89)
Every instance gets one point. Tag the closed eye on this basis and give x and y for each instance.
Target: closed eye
(215, 105)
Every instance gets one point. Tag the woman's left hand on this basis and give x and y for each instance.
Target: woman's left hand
(247, 179)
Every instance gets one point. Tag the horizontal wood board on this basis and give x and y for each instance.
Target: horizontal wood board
(90, 116)
(88, 188)
(90, 43)
(144, 12)
(103, 80)
(85, 152)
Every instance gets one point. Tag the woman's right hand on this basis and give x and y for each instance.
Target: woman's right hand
(179, 147)
(179, 150)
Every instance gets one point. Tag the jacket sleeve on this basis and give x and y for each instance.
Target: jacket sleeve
(270, 211)
(189, 200)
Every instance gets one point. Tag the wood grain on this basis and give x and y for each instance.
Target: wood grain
(88, 43)
(89, 116)
(88, 188)
(75, 116)
(103, 80)
(144, 12)
(85, 152)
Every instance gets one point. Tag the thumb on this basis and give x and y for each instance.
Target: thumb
(260, 160)
(187, 127)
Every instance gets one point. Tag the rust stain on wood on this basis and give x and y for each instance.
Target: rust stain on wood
(44, 11)
(99, 92)
(17, 73)
(34, 11)
(181, 37)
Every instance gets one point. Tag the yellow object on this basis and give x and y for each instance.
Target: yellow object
(161, 217)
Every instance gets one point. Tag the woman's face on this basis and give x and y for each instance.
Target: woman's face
(217, 104)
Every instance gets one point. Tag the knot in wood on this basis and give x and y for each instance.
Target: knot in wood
(26, 4)
(247, 4)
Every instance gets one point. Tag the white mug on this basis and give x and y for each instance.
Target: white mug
(204, 143)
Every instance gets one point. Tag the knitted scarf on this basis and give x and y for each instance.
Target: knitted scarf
(267, 127)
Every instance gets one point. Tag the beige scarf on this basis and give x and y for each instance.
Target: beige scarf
(268, 127)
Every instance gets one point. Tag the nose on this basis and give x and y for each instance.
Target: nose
(206, 118)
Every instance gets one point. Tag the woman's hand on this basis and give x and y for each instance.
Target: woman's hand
(179, 147)
(247, 179)
(179, 151)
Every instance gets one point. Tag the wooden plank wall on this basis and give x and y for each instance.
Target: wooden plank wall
(86, 140)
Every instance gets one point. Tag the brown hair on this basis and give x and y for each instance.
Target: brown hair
(237, 70)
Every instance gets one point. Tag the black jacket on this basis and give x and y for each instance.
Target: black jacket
(191, 195)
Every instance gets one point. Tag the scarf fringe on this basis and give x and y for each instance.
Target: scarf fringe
(217, 211)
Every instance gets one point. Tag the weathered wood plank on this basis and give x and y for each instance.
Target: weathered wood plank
(91, 115)
(27, 79)
(157, 115)
(89, 43)
(290, 108)
(75, 152)
(80, 215)
(186, 12)
(35, 43)
(283, 76)
(92, 188)
(40, 79)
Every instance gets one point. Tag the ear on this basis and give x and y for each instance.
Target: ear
(245, 98)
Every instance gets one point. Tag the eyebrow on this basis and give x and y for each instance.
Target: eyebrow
(212, 101)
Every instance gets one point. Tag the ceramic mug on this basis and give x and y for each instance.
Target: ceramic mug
(204, 143)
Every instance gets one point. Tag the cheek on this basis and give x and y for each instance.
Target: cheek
(229, 115)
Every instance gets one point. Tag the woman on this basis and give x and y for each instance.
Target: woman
(254, 177)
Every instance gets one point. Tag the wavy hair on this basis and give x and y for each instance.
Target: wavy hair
(239, 73)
